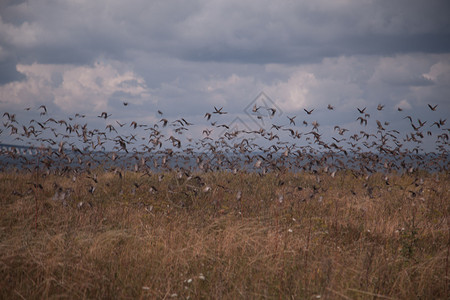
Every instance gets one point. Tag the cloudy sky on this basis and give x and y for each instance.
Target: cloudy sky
(185, 57)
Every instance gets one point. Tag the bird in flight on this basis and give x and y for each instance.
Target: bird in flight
(291, 120)
(361, 111)
(362, 121)
(104, 115)
(44, 108)
(433, 108)
(219, 111)
(308, 111)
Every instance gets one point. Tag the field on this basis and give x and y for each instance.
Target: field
(305, 235)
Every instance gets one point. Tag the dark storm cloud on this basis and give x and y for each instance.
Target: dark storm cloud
(223, 31)
(309, 32)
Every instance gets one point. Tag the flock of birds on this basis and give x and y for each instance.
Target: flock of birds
(70, 147)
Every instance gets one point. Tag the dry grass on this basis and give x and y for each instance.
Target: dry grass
(345, 237)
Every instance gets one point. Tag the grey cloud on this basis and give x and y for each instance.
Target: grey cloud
(308, 32)
(228, 31)
(8, 72)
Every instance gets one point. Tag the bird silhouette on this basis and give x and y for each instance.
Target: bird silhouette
(433, 108)
(291, 120)
(104, 115)
(361, 111)
(219, 111)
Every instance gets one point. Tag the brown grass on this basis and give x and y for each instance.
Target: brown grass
(345, 237)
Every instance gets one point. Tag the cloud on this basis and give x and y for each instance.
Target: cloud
(404, 104)
(262, 32)
(402, 70)
(439, 92)
(73, 88)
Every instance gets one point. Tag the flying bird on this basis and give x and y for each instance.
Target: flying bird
(104, 115)
(272, 111)
(362, 121)
(291, 120)
(433, 108)
(44, 108)
(219, 111)
(164, 121)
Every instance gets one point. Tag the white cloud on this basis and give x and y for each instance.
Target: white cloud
(439, 91)
(439, 72)
(337, 81)
(295, 93)
(404, 104)
(73, 88)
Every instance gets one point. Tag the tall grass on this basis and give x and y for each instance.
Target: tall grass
(288, 236)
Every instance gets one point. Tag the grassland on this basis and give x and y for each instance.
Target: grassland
(224, 236)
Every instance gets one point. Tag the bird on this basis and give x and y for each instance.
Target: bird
(219, 111)
(308, 111)
(433, 108)
(291, 120)
(362, 121)
(272, 111)
(104, 115)
(380, 126)
(361, 111)
(44, 108)
(164, 121)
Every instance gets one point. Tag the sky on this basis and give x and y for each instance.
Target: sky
(185, 57)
